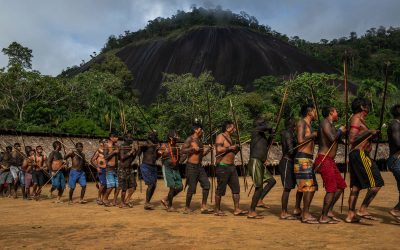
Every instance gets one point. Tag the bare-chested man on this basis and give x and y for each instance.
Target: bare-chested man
(286, 169)
(226, 170)
(38, 171)
(393, 162)
(303, 161)
(364, 173)
(99, 162)
(325, 163)
(5, 174)
(195, 172)
(77, 174)
(111, 153)
(126, 174)
(56, 163)
(170, 154)
(28, 165)
(148, 168)
(17, 157)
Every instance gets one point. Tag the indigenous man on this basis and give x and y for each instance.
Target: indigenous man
(325, 163)
(394, 158)
(286, 168)
(170, 157)
(226, 170)
(5, 175)
(303, 161)
(111, 153)
(148, 168)
(76, 173)
(17, 157)
(364, 172)
(99, 161)
(126, 175)
(259, 173)
(38, 171)
(28, 165)
(56, 163)
(195, 172)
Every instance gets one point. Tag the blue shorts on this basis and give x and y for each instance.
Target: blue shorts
(103, 177)
(393, 165)
(149, 173)
(74, 177)
(58, 181)
(112, 179)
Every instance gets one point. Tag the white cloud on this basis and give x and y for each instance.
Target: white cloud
(61, 33)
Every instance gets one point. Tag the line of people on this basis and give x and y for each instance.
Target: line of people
(117, 174)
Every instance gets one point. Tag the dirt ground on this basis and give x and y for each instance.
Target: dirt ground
(45, 224)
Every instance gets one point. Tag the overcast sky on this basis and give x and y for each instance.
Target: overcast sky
(61, 33)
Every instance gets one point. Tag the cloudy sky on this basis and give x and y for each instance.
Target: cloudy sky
(61, 33)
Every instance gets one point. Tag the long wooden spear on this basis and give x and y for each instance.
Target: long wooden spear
(346, 114)
(315, 103)
(382, 110)
(212, 167)
(243, 171)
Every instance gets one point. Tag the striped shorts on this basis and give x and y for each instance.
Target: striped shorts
(364, 173)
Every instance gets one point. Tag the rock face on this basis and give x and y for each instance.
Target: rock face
(233, 55)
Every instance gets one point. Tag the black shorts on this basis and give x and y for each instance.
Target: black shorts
(364, 173)
(126, 179)
(196, 173)
(286, 168)
(227, 175)
(38, 177)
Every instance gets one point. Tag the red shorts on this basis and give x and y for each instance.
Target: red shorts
(330, 174)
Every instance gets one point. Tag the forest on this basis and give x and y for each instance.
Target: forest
(97, 100)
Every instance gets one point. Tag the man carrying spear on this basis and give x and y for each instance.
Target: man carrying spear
(77, 174)
(111, 154)
(170, 157)
(258, 155)
(195, 172)
(394, 158)
(148, 167)
(325, 163)
(17, 157)
(98, 160)
(226, 170)
(126, 175)
(5, 175)
(38, 171)
(286, 169)
(364, 173)
(27, 166)
(56, 163)
(303, 161)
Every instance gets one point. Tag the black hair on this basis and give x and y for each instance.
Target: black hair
(39, 146)
(17, 144)
(258, 121)
(225, 125)
(8, 148)
(289, 121)
(56, 143)
(358, 104)
(172, 134)
(327, 110)
(79, 144)
(395, 110)
(196, 126)
(112, 134)
(305, 109)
